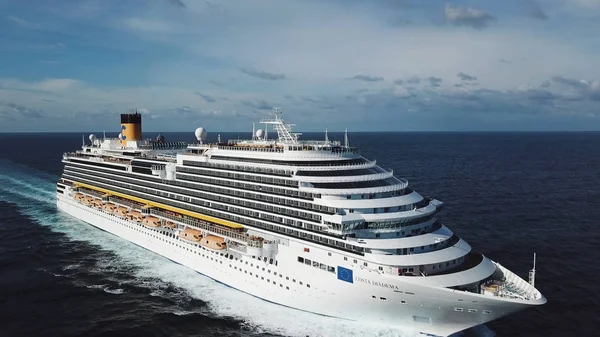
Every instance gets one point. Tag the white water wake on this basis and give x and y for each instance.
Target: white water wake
(34, 194)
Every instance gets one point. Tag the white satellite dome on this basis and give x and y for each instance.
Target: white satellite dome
(260, 133)
(200, 134)
(92, 138)
(120, 136)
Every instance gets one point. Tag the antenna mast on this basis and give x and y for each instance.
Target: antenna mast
(284, 131)
(326, 137)
(532, 274)
(346, 143)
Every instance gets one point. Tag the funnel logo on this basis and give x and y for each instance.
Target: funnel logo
(123, 137)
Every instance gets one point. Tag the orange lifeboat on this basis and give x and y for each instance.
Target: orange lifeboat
(134, 216)
(151, 222)
(170, 224)
(191, 235)
(214, 242)
(121, 212)
(109, 207)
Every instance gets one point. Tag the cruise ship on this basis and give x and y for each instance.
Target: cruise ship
(308, 224)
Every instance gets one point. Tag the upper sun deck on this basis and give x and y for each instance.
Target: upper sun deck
(286, 143)
(316, 148)
(113, 150)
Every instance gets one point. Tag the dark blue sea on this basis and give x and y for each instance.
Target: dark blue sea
(508, 194)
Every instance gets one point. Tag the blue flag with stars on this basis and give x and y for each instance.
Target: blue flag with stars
(345, 274)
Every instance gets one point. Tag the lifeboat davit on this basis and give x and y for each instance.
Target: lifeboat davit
(213, 242)
(151, 222)
(191, 235)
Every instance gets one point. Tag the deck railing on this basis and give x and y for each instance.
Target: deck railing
(341, 179)
(336, 166)
(306, 187)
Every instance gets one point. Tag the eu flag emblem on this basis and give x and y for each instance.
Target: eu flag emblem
(345, 274)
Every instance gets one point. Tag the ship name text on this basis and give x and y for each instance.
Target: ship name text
(375, 283)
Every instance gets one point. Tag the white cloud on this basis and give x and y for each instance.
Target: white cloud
(66, 99)
(261, 52)
(467, 16)
(150, 26)
(52, 85)
(401, 92)
(587, 4)
(320, 42)
(21, 23)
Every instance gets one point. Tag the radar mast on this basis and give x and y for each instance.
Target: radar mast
(284, 131)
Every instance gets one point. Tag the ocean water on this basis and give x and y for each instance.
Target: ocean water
(507, 194)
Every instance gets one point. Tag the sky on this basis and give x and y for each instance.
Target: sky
(377, 65)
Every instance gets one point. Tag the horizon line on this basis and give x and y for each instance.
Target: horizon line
(349, 131)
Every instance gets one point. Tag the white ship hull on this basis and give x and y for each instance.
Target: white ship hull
(371, 298)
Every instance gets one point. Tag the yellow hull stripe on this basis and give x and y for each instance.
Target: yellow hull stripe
(163, 206)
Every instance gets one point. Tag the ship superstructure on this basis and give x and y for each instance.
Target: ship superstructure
(312, 225)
